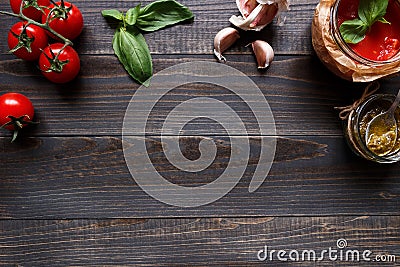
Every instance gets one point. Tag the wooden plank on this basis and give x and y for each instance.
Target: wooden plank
(190, 38)
(195, 242)
(301, 92)
(87, 177)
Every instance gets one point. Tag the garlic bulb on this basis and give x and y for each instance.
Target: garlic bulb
(223, 40)
(256, 14)
(263, 52)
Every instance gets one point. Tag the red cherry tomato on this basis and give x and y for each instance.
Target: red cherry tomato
(17, 106)
(59, 66)
(27, 37)
(31, 8)
(66, 20)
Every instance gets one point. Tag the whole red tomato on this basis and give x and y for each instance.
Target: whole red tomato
(26, 42)
(66, 19)
(16, 111)
(59, 65)
(31, 8)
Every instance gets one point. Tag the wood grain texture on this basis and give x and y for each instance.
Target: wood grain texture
(300, 91)
(192, 242)
(61, 177)
(188, 38)
(67, 197)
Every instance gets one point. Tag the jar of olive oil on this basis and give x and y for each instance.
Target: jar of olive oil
(381, 150)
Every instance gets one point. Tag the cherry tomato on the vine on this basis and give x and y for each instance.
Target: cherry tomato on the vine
(26, 42)
(59, 65)
(66, 19)
(31, 8)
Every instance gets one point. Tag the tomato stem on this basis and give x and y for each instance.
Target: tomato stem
(45, 25)
(9, 14)
(23, 40)
(15, 134)
(56, 65)
(18, 124)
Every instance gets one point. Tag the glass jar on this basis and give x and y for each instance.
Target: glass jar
(357, 122)
(347, 50)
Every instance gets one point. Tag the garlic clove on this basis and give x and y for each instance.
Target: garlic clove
(223, 40)
(256, 14)
(244, 23)
(263, 52)
(246, 7)
(265, 17)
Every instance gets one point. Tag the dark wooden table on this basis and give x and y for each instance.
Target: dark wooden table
(67, 197)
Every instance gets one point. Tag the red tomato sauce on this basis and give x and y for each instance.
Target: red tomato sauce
(382, 41)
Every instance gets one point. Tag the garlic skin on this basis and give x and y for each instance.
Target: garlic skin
(256, 14)
(263, 52)
(223, 40)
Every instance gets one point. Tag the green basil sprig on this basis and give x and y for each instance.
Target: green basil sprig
(129, 44)
(369, 12)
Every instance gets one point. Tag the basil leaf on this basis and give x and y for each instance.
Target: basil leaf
(162, 13)
(370, 11)
(112, 13)
(131, 15)
(353, 31)
(132, 51)
(129, 44)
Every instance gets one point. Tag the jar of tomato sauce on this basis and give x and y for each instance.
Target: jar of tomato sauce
(376, 56)
(382, 41)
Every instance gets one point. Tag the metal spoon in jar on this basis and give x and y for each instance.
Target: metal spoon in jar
(382, 130)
